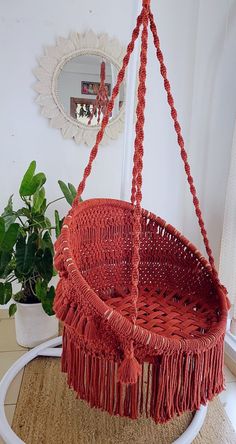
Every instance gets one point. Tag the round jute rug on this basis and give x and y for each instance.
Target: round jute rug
(48, 412)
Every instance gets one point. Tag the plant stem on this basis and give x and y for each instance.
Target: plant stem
(53, 201)
(21, 221)
(32, 288)
(26, 202)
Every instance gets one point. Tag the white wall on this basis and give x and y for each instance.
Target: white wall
(198, 42)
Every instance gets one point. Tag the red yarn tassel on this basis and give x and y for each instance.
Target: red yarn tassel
(90, 331)
(62, 312)
(81, 325)
(129, 369)
(70, 315)
(76, 319)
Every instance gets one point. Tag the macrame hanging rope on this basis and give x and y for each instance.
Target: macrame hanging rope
(101, 101)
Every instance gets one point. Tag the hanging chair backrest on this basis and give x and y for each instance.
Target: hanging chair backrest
(104, 236)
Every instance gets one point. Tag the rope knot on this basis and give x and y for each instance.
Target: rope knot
(129, 352)
(129, 369)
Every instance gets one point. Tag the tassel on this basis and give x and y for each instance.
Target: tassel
(81, 325)
(62, 312)
(76, 319)
(70, 315)
(90, 331)
(129, 369)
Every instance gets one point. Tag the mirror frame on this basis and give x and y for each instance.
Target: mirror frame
(50, 65)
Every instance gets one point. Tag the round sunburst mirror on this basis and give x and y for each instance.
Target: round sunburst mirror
(75, 82)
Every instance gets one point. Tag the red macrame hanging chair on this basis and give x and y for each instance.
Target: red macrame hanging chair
(144, 312)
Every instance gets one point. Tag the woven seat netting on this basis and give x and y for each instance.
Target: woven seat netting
(144, 312)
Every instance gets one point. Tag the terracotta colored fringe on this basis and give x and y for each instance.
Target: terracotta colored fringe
(165, 387)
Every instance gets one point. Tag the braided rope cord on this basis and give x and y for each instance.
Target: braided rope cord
(138, 162)
(102, 99)
(109, 109)
(181, 144)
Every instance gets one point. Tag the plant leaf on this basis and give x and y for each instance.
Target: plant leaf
(41, 289)
(47, 223)
(43, 207)
(2, 294)
(12, 310)
(47, 242)
(42, 221)
(65, 190)
(9, 208)
(8, 215)
(38, 199)
(45, 295)
(47, 303)
(44, 263)
(19, 296)
(9, 238)
(8, 291)
(5, 292)
(25, 254)
(5, 258)
(25, 187)
(72, 190)
(57, 223)
(37, 182)
(30, 182)
(24, 212)
(2, 229)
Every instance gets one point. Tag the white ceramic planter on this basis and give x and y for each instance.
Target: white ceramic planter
(33, 325)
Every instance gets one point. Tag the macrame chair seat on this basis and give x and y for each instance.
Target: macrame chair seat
(144, 312)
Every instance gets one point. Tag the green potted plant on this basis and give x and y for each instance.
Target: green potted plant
(26, 259)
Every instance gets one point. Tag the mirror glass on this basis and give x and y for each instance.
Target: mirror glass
(84, 87)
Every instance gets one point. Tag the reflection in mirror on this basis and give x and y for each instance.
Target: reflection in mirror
(84, 87)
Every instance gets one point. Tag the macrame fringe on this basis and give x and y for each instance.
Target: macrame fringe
(166, 387)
